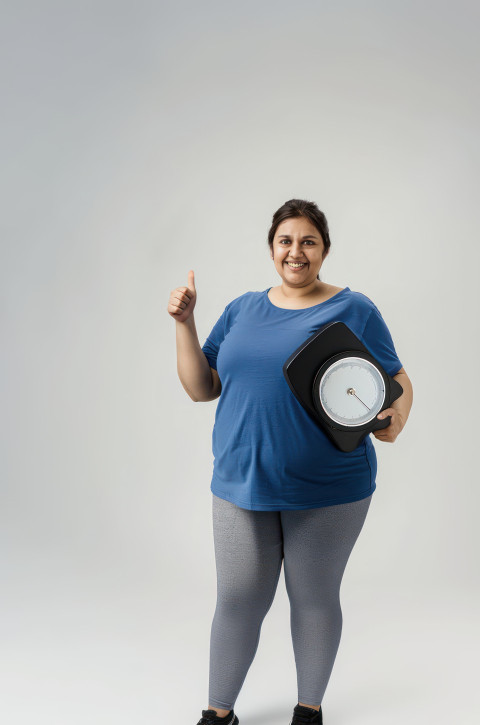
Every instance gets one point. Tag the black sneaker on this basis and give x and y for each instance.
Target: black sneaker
(305, 715)
(210, 717)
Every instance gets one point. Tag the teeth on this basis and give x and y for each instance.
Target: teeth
(290, 264)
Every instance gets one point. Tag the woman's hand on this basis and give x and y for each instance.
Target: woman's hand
(182, 300)
(389, 434)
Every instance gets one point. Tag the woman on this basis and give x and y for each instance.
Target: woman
(282, 491)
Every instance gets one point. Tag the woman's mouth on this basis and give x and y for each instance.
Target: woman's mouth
(296, 266)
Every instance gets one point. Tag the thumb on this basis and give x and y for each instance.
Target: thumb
(385, 413)
(191, 280)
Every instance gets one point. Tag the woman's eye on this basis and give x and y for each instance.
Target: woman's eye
(308, 241)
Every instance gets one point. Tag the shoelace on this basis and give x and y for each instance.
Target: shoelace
(301, 719)
(208, 718)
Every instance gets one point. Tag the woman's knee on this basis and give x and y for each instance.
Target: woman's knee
(251, 592)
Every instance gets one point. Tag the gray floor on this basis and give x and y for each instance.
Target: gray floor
(75, 651)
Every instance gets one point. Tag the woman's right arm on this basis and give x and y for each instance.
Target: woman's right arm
(200, 381)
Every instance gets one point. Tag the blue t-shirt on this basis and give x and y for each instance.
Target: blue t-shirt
(269, 454)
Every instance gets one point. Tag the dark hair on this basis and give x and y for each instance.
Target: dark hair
(307, 209)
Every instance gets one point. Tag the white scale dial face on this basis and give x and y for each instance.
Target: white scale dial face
(352, 391)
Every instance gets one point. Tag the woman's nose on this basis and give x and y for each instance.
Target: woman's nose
(296, 250)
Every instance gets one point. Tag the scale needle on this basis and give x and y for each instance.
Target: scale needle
(351, 391)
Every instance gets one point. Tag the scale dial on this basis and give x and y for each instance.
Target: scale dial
(349, 390)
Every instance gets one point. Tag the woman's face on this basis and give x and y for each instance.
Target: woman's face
(297, 240)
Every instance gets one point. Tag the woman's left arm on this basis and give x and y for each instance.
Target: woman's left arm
(399, 410)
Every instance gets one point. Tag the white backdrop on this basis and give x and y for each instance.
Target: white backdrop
(141, 140)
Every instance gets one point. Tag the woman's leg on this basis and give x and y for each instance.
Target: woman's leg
(248, 555)
(317, 544)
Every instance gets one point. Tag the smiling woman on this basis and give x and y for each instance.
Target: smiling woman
(282, 491)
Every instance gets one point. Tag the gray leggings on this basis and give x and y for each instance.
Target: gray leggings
(314, 545)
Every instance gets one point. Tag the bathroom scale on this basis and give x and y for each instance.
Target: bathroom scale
(341, 384)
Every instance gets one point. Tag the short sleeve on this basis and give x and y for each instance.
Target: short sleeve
(377, 339)
(214, 340)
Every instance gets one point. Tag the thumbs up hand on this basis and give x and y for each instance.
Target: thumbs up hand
(182, 300)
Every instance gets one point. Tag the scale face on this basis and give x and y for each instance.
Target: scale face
(341, 384)
(351, 391)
